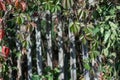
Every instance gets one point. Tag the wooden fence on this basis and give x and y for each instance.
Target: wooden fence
(51, 43)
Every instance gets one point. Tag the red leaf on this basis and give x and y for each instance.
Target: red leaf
(5, 51)
(1, 20)
(17, 4)
(2, 34)
(2, 6)
(35, 14)
(9, 1)
(23, 5)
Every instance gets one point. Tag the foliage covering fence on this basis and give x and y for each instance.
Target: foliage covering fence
(59, 40)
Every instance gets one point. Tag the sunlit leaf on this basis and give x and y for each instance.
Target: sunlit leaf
(118, 7)
(101, 30)
(107, 35)
(112, 11)
(67, 4)
(19, 20)
(36, 77)
(75, 27)
(113, 25)
(18, 54)
(87, 66)
(57, 70)
(105, 51)
(113, 55)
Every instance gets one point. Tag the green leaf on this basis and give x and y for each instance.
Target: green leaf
(113, 25)
(101, 30)
(36, 77)
(110, 17)
(67, 4)
(24, 44)
(71, 27)
(81, 14)
(111, 61)
(105, 51)
(99, 9)
(81, 37)
(113, 36)
(47, 69)
(9, 7)
(19, 20)
(18, 54)
(118, 7)
(75, 27)
(112, 55)
(14, 68)
(84, 40)
(56, 70)
(87, 66)
(96, 53)
(28, 17)
(112, 11)
(50, 77)
(58, 8)
(53, 10)
(96, 30)
(107, 35)
(96, 15)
